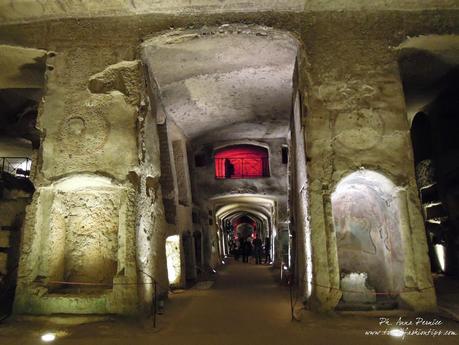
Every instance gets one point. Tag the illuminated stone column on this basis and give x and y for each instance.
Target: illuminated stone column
(93, 233)
(357, 120)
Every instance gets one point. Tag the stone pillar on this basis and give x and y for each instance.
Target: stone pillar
(325, 283)
(419, 292)
(89, 237)
(357, 119)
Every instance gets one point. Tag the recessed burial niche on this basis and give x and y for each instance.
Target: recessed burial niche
(367, 223)
(83, 240)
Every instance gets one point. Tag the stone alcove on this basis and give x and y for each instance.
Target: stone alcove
(366, 218)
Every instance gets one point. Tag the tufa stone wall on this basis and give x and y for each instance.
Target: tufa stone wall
(355, 118)
(97, 214)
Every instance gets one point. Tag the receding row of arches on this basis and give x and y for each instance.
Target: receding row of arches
(252, 181)
(345, 237)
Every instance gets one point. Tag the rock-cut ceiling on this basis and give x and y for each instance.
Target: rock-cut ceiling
(227, 82)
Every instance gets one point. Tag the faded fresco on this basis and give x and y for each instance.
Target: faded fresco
(367, 224)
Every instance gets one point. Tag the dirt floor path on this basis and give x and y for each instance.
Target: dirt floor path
(244, 306)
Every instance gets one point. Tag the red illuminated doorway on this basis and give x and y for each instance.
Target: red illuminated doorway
(241, 161)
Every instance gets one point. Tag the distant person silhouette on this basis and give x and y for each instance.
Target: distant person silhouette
(267, 250)
(258, 248)
(246, 250)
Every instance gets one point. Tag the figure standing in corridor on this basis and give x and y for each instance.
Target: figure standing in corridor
(267, 250)
(258, 246)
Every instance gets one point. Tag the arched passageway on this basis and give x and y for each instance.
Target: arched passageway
(227, 111)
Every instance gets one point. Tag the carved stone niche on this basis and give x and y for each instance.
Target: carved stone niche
(81, 252)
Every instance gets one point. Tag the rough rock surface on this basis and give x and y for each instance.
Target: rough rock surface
(354, 117)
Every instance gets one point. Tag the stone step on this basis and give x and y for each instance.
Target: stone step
(434, 210)
(437, 220)
(434, 228)
(429, 194)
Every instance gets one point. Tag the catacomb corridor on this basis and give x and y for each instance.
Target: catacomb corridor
(229, 172)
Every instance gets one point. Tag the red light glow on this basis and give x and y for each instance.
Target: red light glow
(242, 161)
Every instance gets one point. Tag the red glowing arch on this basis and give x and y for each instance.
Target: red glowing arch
(241, 161)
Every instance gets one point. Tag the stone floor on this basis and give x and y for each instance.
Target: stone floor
(448, 295)
(245, 306)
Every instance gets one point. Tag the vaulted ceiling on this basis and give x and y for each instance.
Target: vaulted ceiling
(23, 10)
(225, 82)
(428, 64)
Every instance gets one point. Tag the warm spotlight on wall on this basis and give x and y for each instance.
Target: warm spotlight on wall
(441, 255)
(173, 259)
(48, 337)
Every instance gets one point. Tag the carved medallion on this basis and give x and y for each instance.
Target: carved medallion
(83, 133)
(359, 130)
